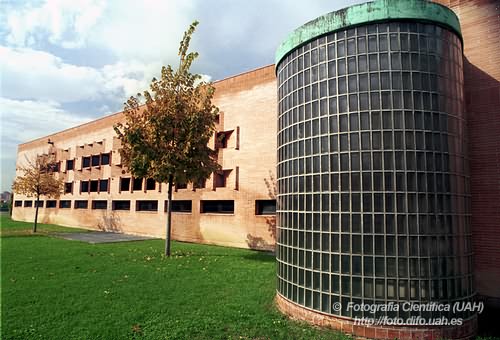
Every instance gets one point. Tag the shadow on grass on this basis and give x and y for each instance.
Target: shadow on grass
(260, 256)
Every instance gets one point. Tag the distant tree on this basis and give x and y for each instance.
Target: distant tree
(38, 180)
(167, 138)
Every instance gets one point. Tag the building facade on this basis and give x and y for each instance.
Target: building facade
(375, 203)
(235, 207)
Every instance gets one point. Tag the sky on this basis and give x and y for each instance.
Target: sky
(63, 63)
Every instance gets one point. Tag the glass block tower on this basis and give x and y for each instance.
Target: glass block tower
(373, 202)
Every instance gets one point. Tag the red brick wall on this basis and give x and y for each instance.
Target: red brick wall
(480, 24)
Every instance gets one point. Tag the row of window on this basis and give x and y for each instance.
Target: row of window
(262, 207)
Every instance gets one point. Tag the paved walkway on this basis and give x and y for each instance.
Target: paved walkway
(102, 237)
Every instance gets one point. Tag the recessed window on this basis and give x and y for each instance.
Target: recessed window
(65, 204)
(147, 205)
(217, 207)
(18, 203)
(96, 160)
(86, 162)
(124, 184)
(68, 188)
(121, 205)
(105, 159)
(103, 185)
(51, 203)
(81, 204)
(265, 207)
(93, 186)
(150, 184)
(28, 204)
(221, 178)
(200, 184)
(53, 167)
(70, 164)
(99, 204)
(222, 139)
(180, 186)
(185, 206)
(137, 184)
(39, 204)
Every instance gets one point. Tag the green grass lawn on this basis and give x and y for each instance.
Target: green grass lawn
(53, 289)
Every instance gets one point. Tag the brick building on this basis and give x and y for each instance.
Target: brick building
(236, 207)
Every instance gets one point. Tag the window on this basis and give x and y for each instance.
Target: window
(65, 204)
(137, 184)
(180, 186)
(70, 164)
(218, 207)
(28, 204)
(99, 204)
(93, 186)
(96, 159)
(222, 139)
(120, 205)
(200, 184)
(86, 162)
(18, 203)
(103, 185)
(40, 204)
(53, 167)
(180, 206)
(146, 206)
(221, 178)
(51, 203)
(150, 184)
(68, 188)
(105, 159)
(265, 207)
(124, 184)
(84, 186)
(81, 204)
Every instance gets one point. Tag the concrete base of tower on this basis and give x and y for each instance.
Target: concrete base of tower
(467, 330)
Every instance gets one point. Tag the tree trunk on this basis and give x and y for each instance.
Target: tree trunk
(37, 203)
(169, 217)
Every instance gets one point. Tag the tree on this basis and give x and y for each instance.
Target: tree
(167, 138)
(38, 180)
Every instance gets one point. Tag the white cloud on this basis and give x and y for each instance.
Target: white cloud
(61, 22)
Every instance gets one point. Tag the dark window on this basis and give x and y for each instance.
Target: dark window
(105, 159)
(265, 207)
(219, 207)
(103, 185)
(84, 186)
(180, 206)
(53, 167)
(222, 139)
(124, 184)
(81, 204)
(28, 204)
(65, 204)
(51, 203)
(146, 206)
(18, 203)
(96, 160)
(70, 164)
(40, 204)
(150, 184)
(137, 184)
(121, 205)
(85, 162)
(180, 186)
(68, 188)
(93, 186)
(99, 204)
(221, 178)
(200, 184)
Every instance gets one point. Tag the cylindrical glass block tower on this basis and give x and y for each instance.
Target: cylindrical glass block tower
(373, 202)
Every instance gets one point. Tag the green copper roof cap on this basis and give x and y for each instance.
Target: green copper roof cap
(376, 11)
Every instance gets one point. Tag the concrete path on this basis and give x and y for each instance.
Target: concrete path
(102, 237)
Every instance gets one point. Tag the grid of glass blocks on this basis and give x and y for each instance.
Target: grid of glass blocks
(373, 203)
